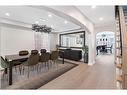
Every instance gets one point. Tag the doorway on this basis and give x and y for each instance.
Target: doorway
(105, 43)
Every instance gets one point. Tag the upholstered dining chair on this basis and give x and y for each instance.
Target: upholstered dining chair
(23, 53)
(4, 64)
(31, 61)
(54, 56)
(44, 58)
(43, 51)
(19, 62)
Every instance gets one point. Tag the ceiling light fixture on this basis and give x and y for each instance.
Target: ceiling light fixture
(65, 22)
(36, 22)
(42, 19)
(101, 18)
(52, 26)
(41, 28)
(50, 15)
(93, 7)
(7, 14)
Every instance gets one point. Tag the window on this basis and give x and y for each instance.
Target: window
(42, 41)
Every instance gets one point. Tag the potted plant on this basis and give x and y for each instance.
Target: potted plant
(85, 50)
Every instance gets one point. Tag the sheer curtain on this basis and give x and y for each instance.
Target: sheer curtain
(42, 41)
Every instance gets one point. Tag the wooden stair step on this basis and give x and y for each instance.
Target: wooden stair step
(117, 35)
(119, 66)
(117, 40)
(119, 78)
(119, 56)
(118, 48)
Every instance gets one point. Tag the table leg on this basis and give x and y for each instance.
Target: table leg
(10, 73)
(5, 71)
(63, 57)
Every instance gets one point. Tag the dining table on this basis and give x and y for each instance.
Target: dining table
(11, 58)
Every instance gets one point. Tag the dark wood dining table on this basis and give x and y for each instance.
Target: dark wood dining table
(11, 59)
(15, 57)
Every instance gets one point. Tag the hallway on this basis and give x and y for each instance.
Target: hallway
(99, 76)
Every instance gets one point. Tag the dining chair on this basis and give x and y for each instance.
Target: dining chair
(18, 63)
(4, 65)
(31, 62)
(43, 51)
(23, 53)
(44, 58)
(54, 56)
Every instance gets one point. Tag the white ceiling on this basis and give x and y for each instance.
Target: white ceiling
(93, 14)
(30, 15)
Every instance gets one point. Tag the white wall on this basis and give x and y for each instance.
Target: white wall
(15, 39)
(0, 40)
(110, 28)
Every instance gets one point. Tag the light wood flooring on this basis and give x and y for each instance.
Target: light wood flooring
(101, 75)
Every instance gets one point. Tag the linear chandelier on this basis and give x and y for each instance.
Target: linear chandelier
(41, 28)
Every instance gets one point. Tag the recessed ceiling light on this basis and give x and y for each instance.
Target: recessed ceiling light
(50, 15)
(101, 18)
(52, 26)
(36, 22)
(65, 22)
(42, 19)
(7, 14)
(93, 7)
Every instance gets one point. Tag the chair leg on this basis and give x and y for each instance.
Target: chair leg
(40, 67)
(15, 69)
(20, 69)
(5, 76)
(56, 64)
(28, 72)
(47, 65)
(23, 69)
(37, 68)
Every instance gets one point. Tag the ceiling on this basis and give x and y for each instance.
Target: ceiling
(31, 15)
(99, 15)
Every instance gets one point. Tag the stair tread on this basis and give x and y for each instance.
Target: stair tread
(118, 47)
(119, 78)
(119, 65)
(119, 56)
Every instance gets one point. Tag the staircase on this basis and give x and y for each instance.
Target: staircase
(125, 13)
(118, 51)
(121, 46)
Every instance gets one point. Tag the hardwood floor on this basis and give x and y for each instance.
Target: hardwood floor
(101, 75)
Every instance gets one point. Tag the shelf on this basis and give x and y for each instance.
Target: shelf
(119, 78)
(119, 66)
